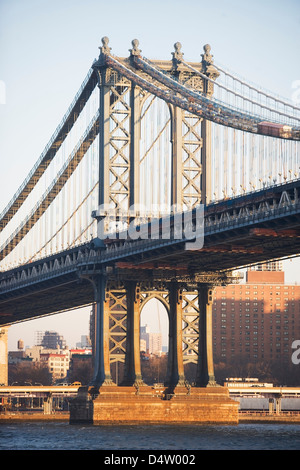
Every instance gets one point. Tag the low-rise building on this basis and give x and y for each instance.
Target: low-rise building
(58, 364)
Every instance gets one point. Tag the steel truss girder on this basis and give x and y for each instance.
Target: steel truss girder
(117, 308)
(119, 140)
(116, 298)
(191, 161)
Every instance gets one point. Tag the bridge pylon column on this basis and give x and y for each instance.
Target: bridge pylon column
(133, 375)
(135, 135)
(176, 136)
(3, 355)
(118, 136)
(175, 373)
(208, 88)
(102, 375)
(205, 368)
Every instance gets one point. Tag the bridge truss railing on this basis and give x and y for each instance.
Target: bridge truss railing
(56, 186)
(243, 111)
(51, 148)
(232, 214)
(234, 139)
(214, 109)
(56, 211)
(232, 89)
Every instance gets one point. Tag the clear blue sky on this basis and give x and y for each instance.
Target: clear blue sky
(47, 47)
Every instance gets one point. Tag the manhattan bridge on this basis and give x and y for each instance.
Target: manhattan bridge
(162, 179)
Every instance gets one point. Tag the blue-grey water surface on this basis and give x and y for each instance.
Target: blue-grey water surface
(63, 436)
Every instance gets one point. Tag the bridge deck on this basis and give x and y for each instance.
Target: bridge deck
(240, 231)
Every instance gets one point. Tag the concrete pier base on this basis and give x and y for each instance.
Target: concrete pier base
(149, 405)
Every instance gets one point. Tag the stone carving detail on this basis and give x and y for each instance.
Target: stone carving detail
(208, 68)
(207, 57)
(177, 55)
(105, 49)
(135, 48)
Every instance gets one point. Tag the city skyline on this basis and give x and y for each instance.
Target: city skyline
(30, 327)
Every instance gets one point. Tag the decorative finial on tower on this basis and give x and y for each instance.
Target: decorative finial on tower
(208, 68)
(177, 55)
(105, 49)
(135, 48)
(207, 57)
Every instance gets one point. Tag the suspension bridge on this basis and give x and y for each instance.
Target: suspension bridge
(163, 177)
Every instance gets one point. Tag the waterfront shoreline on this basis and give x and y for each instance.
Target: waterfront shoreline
(21, 417)
(257, 418)
(247, 418)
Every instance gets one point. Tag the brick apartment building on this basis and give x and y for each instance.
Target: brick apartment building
(58, 364)
(257, 320)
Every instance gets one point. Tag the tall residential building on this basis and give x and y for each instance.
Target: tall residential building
(257, 320)
(153, 340)
(50, 340)
(84, 343)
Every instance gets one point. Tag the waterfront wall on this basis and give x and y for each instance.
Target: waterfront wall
(200, 406)
(21, 416)
(246, 418)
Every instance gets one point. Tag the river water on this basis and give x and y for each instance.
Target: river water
(63, 436)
